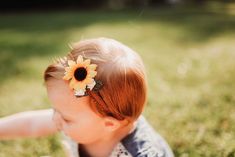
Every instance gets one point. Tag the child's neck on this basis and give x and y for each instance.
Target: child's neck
(104, 147)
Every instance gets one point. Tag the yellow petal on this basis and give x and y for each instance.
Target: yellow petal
(79, 59)
(92, 66)
(79, 65)
(83, 85)
(80, 85)
(92, 73)
(67, 69)
(88, 80)
(72, 83)
(71, 63)
(87, 62)
(67, 77)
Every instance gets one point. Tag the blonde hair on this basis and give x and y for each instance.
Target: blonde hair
(120, 69)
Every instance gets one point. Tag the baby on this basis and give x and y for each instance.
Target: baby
(98, 92)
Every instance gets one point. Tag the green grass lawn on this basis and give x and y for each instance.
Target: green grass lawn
(190, 62)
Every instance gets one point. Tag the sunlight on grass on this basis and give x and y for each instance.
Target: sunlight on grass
(189, 58)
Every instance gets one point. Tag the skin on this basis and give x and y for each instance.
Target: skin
(96, 135)
(36, 123)
(73, 115)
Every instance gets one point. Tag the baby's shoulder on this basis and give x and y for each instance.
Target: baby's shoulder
(144, 141)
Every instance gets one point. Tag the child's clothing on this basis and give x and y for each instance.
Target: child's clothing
(142, 142)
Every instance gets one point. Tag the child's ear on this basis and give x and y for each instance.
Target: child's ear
(111, 124)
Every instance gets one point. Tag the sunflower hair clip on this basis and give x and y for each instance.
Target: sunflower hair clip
(81, 74)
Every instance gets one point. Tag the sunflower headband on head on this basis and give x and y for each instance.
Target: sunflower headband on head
(81, 75)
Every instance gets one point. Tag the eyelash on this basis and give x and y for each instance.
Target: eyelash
(67, 121)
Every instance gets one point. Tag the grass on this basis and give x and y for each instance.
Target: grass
(189, 57)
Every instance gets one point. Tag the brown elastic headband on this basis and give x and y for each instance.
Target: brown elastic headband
(103, 105)
(98, 99)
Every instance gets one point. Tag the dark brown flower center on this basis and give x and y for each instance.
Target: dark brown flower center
(80, 73)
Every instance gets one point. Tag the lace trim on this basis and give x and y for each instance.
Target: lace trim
(120, 151)
(71, 148)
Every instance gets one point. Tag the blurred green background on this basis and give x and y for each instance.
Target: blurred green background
(189, 54)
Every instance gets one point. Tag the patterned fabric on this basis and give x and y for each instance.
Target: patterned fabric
(71, 149)
(120, 151)
(70, 146)
(145, 142)
(142, 142)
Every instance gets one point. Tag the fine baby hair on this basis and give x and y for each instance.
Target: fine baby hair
(98, 92)
(109, 72)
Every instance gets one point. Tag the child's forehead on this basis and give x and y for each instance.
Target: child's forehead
(70, 108)
(61, 95)
(57, 83)
(59, 87)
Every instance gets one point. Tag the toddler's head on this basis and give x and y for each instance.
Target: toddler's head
(121, 97)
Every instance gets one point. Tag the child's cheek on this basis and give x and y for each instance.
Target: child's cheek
(70, 131)
(67, 129)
